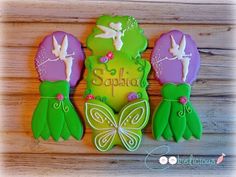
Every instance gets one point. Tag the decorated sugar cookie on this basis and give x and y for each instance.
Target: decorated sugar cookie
(122, 129)
(117, 106)
(59, 62)
(178, 53)
(176, 61)
(116, 33)
(60, 57)
(115, 80)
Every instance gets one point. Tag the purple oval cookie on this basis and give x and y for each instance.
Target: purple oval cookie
(60, 57)
(175, 58)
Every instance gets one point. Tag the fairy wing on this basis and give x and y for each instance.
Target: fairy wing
(107, 32)
(173, 43)
(182, 45)
(133, 118)
(56, 47)
(101, 118)
(64, 46)
(174, 47)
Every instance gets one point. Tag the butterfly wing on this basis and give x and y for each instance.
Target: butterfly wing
(104, 140)
(133, 118)
(64, 46)
(101, 118)
(107, 32)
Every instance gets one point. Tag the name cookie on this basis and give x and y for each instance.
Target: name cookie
(116, 79)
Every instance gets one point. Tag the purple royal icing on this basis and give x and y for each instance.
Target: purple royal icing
(56, 70)
(171, 70)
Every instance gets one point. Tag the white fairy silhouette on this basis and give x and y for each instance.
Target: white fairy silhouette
(60, 51)
(178, 51)
(115, 32)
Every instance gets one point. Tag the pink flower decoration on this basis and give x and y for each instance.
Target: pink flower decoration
(183, 100)
(104, 59)
(90, 97)
(110, 55)
(132, 96)
(60, 97)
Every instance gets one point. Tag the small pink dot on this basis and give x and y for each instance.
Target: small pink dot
(60, 97)
(109, 55)
(90, 97)
(183, 100)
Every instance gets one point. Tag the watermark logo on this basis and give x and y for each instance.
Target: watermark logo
(159, 159)
(220, 159)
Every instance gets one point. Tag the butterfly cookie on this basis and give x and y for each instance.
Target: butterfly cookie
(111, 129)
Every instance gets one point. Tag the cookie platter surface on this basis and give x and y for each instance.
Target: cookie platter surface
(212, 93)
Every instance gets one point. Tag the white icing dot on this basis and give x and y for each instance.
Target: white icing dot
(131, 142)
(163, 160)
(172, 160)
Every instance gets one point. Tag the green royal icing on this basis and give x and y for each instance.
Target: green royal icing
(174, 120)
(111, 82)
(53, 117)
(134, 41)
(110, 129)
(130, 76)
